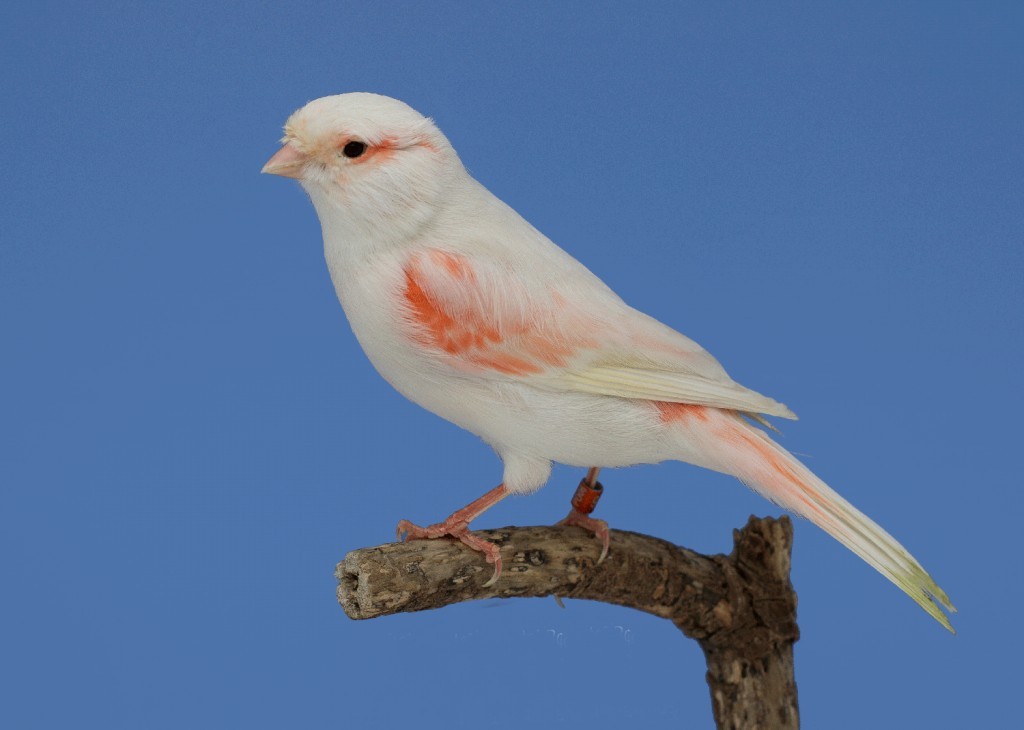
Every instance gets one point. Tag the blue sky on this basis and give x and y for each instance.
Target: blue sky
(828, 196)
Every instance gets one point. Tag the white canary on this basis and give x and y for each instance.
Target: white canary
(472, 313)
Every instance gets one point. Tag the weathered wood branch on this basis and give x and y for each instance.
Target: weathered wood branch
(741, 607)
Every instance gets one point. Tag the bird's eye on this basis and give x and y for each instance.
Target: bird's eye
(353, 150)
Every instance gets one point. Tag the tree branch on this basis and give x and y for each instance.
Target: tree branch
(740, 607)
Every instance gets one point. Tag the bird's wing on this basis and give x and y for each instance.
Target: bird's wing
(558, 330)
(652, 361)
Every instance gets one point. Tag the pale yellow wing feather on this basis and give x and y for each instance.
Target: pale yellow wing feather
(673, 387)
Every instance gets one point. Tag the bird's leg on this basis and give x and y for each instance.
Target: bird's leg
(457, 526)
(583, 503)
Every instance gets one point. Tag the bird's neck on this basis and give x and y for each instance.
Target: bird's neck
(368, 221)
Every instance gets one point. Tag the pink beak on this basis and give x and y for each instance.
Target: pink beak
(287, 162)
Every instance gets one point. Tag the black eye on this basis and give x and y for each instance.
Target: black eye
(353, 149)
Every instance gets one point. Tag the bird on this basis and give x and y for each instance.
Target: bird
(472, 313)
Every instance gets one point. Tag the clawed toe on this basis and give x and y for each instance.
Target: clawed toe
(406, 531)
(583, 503)
(455, 527)
(598, 527)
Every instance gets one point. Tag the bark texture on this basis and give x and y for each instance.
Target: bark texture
(740, 608)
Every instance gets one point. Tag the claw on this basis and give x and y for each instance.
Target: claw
(598, 527)
(493, 579)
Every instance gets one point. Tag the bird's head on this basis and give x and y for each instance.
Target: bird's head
(370, 164)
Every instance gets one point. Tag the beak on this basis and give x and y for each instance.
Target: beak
(286, 162)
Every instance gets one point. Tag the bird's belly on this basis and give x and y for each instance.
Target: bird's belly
(515, 418)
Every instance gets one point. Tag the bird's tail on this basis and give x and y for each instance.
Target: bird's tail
(773, 472)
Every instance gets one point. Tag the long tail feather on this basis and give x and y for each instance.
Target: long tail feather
(776, 474)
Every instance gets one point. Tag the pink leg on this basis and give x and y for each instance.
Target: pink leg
(583, 503)
(457, 526)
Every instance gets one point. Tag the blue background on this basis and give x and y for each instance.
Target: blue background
(828, 196)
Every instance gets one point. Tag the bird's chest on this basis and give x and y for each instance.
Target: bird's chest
(370, 292)
(374, 294)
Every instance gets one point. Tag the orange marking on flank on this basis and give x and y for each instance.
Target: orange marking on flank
(455, 265)
(434, 321)
(439, 328)
(468, 333)
(680, 412)
(508, 364)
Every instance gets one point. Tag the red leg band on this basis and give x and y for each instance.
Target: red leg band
(585, 499)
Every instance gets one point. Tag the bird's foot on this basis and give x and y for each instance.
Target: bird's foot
(457, 526)
(583, 503)
(598, 527)
(460, 531)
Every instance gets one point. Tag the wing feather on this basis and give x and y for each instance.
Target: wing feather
(477, 315)
(673, 387)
